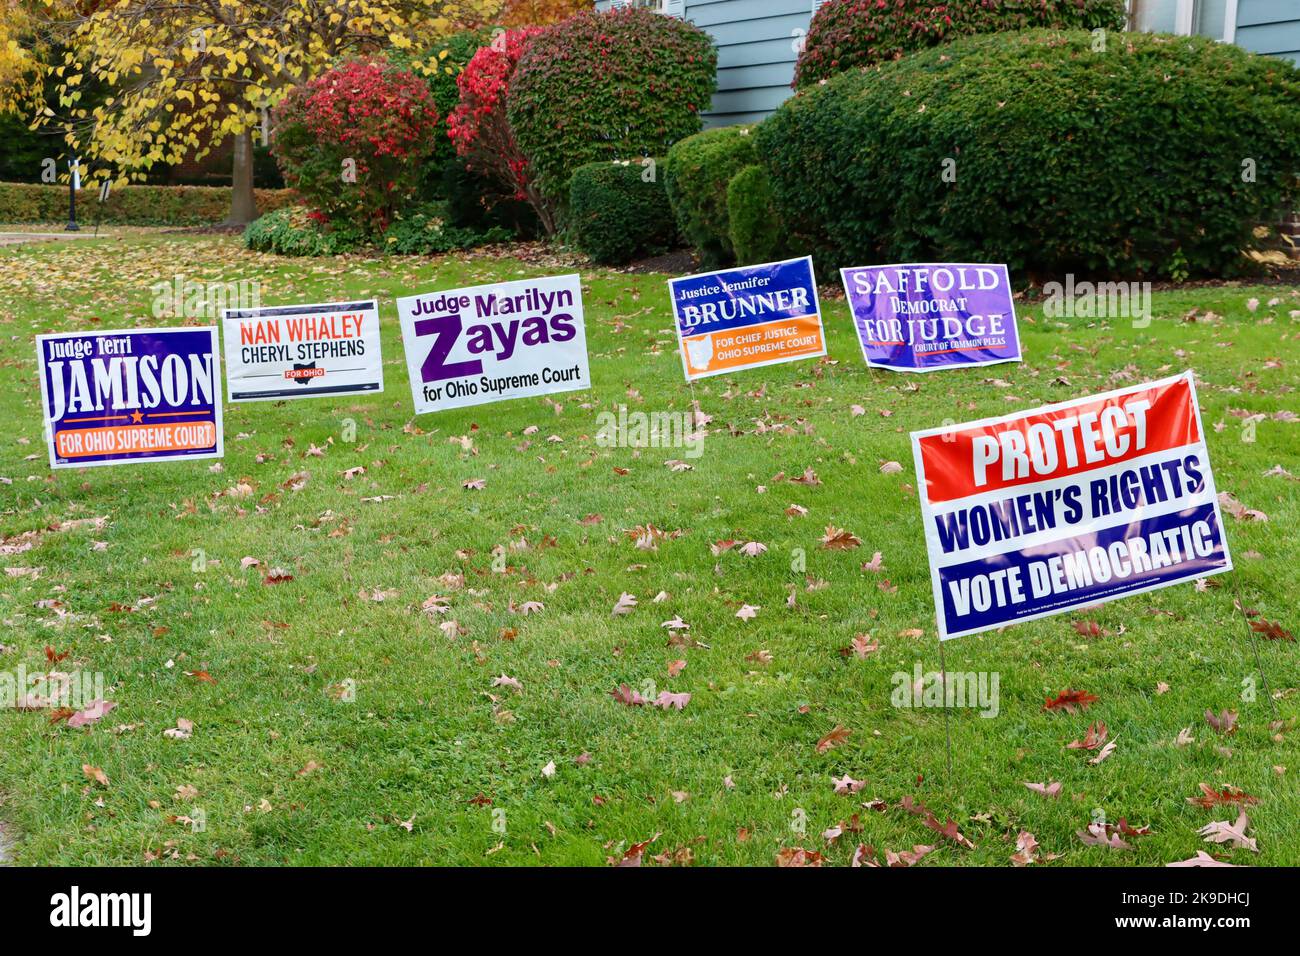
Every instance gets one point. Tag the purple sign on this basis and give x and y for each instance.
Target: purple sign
(922, 316)
(111, 398)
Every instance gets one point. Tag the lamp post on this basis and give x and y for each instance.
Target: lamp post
(74, 183)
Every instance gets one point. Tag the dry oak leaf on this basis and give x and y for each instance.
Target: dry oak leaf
(1225, 722)
(1229, 794)
(834, 738)
(905, 858)
(799, 857)
(626, 695)
(632, 855)
(1052, 789)
(95, 774)
(1068, 700)
(624, 604)
(837, 539)
(861, 646)
(1026, 849)
(1233, 834)
(1271, 631)
(1100, 835)
(668, 700)
(847, 784)
(1094, 738)
(95, 711)
(1201, 859)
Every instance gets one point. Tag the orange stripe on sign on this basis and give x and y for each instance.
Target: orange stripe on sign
(129, 439)
(753, 345)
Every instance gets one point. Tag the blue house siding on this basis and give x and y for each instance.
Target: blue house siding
(757, 43)
(1270, 26)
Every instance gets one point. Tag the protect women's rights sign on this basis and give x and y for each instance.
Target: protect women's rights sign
(1064, 506)
(919, 317)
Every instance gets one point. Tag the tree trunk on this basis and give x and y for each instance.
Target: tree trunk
(243, 202)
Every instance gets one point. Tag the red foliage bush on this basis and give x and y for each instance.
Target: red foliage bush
(364, 117)
(480, 127)
(618, 85)
(854, 33)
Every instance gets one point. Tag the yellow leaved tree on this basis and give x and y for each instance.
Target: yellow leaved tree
(20, 63)
(181, 77)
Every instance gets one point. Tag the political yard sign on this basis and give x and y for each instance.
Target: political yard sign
(302, 351)
(132, 395)
(747, 317)
(492, 342)
(1046, 511)
(921, 317)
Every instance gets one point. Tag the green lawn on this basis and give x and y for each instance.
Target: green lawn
(424, 766)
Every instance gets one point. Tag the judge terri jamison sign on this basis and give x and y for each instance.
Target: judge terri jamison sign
(133, 395)
(1064, 506)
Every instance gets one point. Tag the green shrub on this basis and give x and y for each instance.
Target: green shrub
(296, 231)
(475, 202)
(426, 232)
(129, 205)
(696, 176)
(1065, 159)
(756, 233)
(847, 34)
(618, 211)
(608, 86)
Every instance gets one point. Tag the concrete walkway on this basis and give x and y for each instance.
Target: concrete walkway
(13, 238)
(6, 845)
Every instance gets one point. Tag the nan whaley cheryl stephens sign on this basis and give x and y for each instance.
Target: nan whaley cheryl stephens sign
(492, 342)
(747, 317)
(1044, 511)
(301, 351)
(919, 317)
(130, 395)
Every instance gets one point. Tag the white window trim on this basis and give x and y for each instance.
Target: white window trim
(1184, 17)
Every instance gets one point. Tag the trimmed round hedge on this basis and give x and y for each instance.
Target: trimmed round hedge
(846, 34)
(756, 233)
(696, 176)
(608, 86)
(1133, 161)
(618, 211)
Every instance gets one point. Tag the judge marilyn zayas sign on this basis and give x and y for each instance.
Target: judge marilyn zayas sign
(1060, 507)
(492, 342)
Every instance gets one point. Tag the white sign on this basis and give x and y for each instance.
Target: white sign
(488, 343)
(302, 351)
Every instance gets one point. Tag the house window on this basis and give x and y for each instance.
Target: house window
(672, 8)
(1209, 18)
